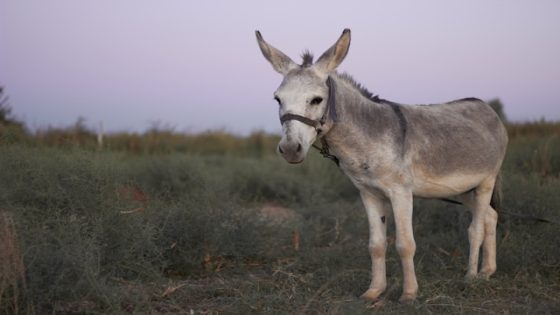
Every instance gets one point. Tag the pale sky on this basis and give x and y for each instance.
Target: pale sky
(195, 65)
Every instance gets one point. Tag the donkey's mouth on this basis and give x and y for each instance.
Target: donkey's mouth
(295, 162)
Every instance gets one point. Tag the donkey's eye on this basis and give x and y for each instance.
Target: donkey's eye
(278, 100)
(316, 100)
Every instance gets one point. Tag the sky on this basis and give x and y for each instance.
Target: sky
(195, 65)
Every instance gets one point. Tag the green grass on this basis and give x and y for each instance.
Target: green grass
(104, 231)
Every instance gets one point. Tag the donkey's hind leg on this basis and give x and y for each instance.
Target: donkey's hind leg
(482, 228)
(489, 246)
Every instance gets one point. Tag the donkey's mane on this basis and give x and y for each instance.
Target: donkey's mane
(307, 61)
(362, 89)
(396, 107)
(307, 57)
(375, 98)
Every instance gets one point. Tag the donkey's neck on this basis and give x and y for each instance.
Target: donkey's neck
(364, 123)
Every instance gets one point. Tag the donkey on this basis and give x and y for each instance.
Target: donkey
(392, 152)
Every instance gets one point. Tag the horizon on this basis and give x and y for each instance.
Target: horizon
(129, 65)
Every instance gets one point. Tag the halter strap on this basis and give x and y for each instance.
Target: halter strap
(313, 123)
(331, 102)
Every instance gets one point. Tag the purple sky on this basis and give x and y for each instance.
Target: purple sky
(196, 65)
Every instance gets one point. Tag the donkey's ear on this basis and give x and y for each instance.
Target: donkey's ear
(333, 57)
(280, 62)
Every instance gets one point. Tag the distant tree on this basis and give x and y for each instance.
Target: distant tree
(11, 129)
(498, 107)
(6, 118)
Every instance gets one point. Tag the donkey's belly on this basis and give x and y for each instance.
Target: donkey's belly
(445, 186)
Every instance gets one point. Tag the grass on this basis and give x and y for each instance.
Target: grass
(12, 270)
(94, 231)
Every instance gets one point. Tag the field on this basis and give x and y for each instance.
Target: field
(163, 223)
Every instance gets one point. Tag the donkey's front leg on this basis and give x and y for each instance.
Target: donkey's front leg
(377, 243)
(406, 246)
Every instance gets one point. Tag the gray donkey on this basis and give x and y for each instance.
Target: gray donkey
(393, 152)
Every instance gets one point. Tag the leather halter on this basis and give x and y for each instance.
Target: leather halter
(330, 113)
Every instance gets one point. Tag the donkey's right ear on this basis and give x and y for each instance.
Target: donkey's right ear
(279, 61)
(332, 58)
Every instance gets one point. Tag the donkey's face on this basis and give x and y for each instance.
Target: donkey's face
(303, 92)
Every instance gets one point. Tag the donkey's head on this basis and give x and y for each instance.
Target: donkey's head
(303, 95)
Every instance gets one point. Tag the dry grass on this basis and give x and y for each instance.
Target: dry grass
(277, 290)
(13, 291)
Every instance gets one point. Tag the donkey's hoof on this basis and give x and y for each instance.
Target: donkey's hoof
(371, 295)
(407, 299)
(483, 276)
(486, 273)
(470, 278)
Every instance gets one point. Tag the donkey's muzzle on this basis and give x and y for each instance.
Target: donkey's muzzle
(291, 151)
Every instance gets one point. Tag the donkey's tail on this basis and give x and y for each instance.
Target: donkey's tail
(496, 201)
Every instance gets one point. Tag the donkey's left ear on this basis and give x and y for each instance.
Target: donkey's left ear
(334, 56)
(279, 61)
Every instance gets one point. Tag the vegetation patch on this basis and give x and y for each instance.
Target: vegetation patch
(234, 229)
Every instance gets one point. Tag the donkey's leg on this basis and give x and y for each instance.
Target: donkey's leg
(489, 245)
(480, 209)
(377, 243)
(406, 246)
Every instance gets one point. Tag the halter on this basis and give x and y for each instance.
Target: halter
(330, 113)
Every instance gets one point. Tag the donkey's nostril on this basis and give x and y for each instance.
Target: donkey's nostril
(298, 148)
(280, 149)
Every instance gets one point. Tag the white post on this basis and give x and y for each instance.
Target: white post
(100, 135)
